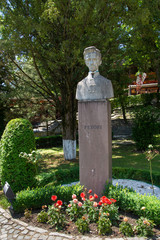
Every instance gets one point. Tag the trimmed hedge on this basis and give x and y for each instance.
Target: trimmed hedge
(49, 141)
(18, 137)
(129, 200)
(62, 176)
(59, 176)
(135, 174)
(38, 197)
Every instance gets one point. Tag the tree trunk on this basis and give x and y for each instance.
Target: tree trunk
(69, 126)
(158, 78)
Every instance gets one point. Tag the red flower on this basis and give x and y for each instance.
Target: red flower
(100, 203)
(105, 200)
(82, 195)
(113, 200)
(90, 191)
(54, 198)
(95, 196)
(59, 202)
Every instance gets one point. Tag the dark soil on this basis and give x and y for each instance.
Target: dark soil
(71, 228)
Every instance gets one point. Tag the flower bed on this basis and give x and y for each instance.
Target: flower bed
(87, 214)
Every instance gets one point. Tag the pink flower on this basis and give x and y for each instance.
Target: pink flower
(80, 204)
(95, 204)
(74, 196)
(75, 200)
(69, 205)
(54, 198)
(83, 199)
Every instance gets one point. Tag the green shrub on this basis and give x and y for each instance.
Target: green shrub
(126, 228)
(62, 176)
(83, 225)
(17, 171)
(38, 197)
(144, 127)
(42, 217)
(104, 225)
(136, 174)
(129, 200)
(144, 227)
(49, 141)
(59, 176)
(147, 98)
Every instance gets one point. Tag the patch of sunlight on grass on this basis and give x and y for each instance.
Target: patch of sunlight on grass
(116, 156)
(51, 151)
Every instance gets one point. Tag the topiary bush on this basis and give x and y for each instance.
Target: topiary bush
(18, 137)
(144, 127)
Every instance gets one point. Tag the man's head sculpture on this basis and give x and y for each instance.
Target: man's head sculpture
(92, 57)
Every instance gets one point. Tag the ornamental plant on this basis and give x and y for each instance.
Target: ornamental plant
(144, 227)
(83, 225)
(150, 155)
(42, 217)
(126, 228)
(56, 217)
(144, 127)
(18, 172)
(75, 208)
(108, 207)
(32, 157)
(104, 224)
(90, 205)
(27, 213)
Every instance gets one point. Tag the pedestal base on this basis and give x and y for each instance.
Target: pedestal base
(95, 144)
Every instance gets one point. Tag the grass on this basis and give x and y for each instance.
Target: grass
(127, 156)
(123, 155)
(53, 158)
(3, 201)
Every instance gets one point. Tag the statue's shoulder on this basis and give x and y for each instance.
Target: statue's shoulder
(103, 79)
(82, 82)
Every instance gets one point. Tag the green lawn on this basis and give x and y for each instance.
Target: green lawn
(127, 156)
(123, 155)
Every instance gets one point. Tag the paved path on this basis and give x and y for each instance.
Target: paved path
(11, 229)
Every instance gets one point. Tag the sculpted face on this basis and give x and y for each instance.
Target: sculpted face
(92, 59)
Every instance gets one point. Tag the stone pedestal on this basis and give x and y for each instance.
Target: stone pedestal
(95, 144)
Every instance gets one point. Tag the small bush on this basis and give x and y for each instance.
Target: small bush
(42, 217)
(38, 197)
(129, 200)
(144, 127)
(104, 225)
(144, 227)
(83, 225)
(17, 171)
(126, 229)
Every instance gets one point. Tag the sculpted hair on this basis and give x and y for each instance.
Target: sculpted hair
(92, 49)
